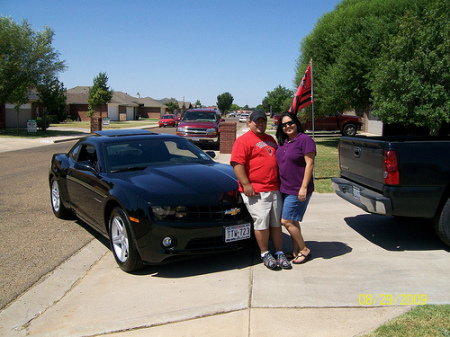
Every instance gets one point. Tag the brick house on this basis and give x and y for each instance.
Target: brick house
(31, 110)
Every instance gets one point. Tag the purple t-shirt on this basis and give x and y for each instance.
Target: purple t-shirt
(291, 163)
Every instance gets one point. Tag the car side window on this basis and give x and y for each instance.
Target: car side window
(74, 153)
(88, 153)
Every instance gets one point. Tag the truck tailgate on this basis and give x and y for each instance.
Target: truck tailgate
(361, 160)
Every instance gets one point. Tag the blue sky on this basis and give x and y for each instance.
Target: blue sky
(188, 50)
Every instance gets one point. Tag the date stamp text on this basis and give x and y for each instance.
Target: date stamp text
(390, 299)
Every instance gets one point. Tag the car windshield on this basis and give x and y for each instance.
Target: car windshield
(200, 116)
(139, 154)
(167, 117)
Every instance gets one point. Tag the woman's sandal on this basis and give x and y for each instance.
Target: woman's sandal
(306, 258)
(290, 256)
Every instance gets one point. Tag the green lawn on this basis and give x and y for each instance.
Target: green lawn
(326, 165)
(427, 320)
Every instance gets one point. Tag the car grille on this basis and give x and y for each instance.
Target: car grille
(195, 131)
(215, 213)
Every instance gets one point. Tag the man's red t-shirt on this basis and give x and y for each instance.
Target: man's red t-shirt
(257, 154)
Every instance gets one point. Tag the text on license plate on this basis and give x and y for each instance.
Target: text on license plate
(238, 232)
(356, 192)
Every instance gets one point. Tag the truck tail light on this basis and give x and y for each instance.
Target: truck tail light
(391, 175)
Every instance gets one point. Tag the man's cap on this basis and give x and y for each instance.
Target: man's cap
(257, 114)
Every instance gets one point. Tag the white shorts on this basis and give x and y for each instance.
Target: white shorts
(265, 209)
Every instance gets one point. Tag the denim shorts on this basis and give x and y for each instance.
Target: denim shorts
(294, 209)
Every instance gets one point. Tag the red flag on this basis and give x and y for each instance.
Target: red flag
(303, 96)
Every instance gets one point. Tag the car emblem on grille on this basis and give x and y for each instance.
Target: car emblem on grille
(232, 211)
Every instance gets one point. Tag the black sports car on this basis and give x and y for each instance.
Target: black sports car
(157, 197)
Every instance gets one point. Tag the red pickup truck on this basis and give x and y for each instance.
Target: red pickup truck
(201, 126)
(346, 124)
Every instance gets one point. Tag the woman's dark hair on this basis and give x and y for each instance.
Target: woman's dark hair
(281, 136)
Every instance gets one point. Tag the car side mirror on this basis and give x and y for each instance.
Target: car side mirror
(222, 120)
(212, 154)
(85, 165)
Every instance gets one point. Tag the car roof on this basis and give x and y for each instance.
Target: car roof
(203, 109)
(118, 135)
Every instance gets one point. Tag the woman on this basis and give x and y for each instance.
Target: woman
(295, 156)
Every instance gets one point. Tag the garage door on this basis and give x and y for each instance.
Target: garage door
(113, 112)
(11, 115)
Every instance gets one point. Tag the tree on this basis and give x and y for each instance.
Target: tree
(172, 105)
(411, 79)
(344, 46)
(224, 102)
(234, 107)
(53, 96)
(26, 58)
(275, 100)
(198, 103)
(99, 94)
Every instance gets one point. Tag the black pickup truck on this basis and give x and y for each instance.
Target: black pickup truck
(400, 176)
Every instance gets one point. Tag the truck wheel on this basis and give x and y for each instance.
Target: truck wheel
(442, 224)
(349, 130)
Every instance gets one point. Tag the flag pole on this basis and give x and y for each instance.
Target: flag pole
(312, 100)
(312, 96)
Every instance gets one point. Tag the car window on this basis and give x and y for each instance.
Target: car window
(74, 152)
(153, 152)
(88, 153)
(200, 116)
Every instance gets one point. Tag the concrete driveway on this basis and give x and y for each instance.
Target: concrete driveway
(354, 255)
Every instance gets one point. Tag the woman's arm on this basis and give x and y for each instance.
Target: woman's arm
(309, 159)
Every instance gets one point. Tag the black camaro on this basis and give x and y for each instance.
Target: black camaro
(156, 197)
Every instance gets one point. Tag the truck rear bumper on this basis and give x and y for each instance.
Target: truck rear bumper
(361, 197)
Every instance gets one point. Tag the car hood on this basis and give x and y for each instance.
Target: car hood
(182, 184)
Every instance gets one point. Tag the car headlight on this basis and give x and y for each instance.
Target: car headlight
(181, 129)
(210, 131)
(169, 212)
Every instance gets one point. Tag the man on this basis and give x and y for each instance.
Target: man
(255, 165)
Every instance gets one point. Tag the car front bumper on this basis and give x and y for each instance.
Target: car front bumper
(190, 239)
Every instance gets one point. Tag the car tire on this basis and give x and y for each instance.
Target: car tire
(442, 224)
(123, 244)
(349, 130)
(58, 207)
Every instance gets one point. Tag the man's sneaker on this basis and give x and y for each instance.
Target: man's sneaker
(283, 261)
(269, 261)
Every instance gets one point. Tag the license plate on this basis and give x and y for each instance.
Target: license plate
(195, 139)
(238, 232)
(356, 193)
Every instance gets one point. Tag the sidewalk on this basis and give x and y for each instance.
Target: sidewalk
(354, 254)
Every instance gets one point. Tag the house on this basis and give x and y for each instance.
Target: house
(182, 105)
(121, 107)
(31, 110)
(150, 108)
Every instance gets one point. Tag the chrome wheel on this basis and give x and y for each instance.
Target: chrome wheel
(56, 199)
(122, 240)
(119, 237)
(58, 207)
